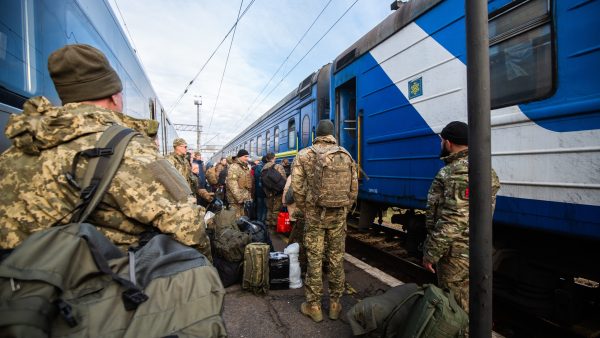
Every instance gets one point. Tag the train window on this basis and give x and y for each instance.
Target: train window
(292, 133)
(305, 130)
(268, 139)
(246, 146)
(276, 140)
(251, 149)
(18, 56)
(259, 148)
(521, 53)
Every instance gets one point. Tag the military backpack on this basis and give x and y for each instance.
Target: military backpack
(230, 244)
(332, 178)
(256, 268)
(272, 181)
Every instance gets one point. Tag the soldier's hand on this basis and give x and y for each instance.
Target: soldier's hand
(428, 265)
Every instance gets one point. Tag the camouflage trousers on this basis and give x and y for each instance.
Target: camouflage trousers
(273, 207)
(297, 236)
(238, 208)
(453, 275)
(328, 241)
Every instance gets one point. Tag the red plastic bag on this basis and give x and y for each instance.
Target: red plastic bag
(283, 221)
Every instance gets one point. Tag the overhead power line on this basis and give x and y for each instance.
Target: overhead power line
(311, 48)
(225, 68)
(210, 57)
(288, 56)
(126, 27)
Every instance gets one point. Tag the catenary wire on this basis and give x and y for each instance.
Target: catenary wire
(225, 68)
(209, 58)
(297, 63)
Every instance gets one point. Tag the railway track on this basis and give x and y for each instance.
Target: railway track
(382, 247)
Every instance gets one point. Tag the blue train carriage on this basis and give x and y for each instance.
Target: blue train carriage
(289, 125)
(396, 88)
(32, 29)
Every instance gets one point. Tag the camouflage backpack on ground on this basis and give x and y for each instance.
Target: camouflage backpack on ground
(256, 268)
(332, 181)
(211, 176)
(230, 244)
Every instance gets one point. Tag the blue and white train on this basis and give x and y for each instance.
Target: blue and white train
(393, 91)
(32, 29)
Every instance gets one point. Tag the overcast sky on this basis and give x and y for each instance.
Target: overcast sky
(175, 38)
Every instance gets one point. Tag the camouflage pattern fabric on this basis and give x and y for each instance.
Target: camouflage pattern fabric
(238, 183)
(303, 172)
(238, 208)
(297, 236)
(324, 229)
(273, 201)
(184, 167)
(447, 222)
(36, 194)
(327, 242)
(218, 168)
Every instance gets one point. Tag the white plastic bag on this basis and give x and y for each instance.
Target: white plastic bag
(293, 250)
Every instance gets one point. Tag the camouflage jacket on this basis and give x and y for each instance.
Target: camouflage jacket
(184, 168)
(238, 182)
(302, 171)
(36, 194)
(279, 169)
(447, 216)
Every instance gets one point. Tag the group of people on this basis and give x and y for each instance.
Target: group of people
(36, 193)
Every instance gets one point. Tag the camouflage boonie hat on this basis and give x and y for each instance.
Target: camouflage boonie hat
(179, 142)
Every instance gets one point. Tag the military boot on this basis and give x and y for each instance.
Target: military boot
(335, 307)
(312, 311)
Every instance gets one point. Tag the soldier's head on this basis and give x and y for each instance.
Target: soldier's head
(243, 155)
(455, 137)
(180, 146)
(197, 156)
(223, 161)
(270, 157)
(264, 159)
(324, 128)
(82, 73)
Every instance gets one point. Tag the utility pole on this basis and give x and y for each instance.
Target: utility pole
(198, 103)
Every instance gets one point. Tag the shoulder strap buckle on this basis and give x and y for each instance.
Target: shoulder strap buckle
(132, 298)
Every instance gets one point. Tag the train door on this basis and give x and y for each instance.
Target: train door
(346, 119)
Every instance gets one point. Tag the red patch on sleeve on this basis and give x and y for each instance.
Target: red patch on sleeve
(467, 193)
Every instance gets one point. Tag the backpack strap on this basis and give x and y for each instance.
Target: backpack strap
(104, 160)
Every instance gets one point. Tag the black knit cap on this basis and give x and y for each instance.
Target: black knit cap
(456, 132)
(324, 128)
(242, 152)
(81, 73)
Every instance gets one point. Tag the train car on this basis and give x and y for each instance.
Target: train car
(289, 125)
(394, 90)
(32, 29)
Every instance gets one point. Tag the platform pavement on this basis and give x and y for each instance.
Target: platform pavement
(277, 314)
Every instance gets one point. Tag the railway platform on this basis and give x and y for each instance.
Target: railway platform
(277, 314)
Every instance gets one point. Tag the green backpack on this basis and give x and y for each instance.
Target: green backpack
(72, 281)
(256, 268)
(435, 314)
(230, 244)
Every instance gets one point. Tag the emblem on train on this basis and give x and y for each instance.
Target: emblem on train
(415, 88)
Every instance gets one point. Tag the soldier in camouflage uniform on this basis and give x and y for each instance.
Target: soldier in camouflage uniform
(325, 228)
(239, 183)
(180, 162)
(447, 217)
(273, 199)
(146, 192)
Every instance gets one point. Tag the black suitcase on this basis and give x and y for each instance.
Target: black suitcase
(279, 271)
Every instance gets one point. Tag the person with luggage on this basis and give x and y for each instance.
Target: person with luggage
(447, 216)
(146, 191)
(324, 194)
(239, 183)
(273, 180)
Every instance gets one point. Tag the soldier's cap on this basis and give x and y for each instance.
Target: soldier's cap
(82, 73)
(179, 142)
(324, 128)
(456, 132)
(242, 152)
